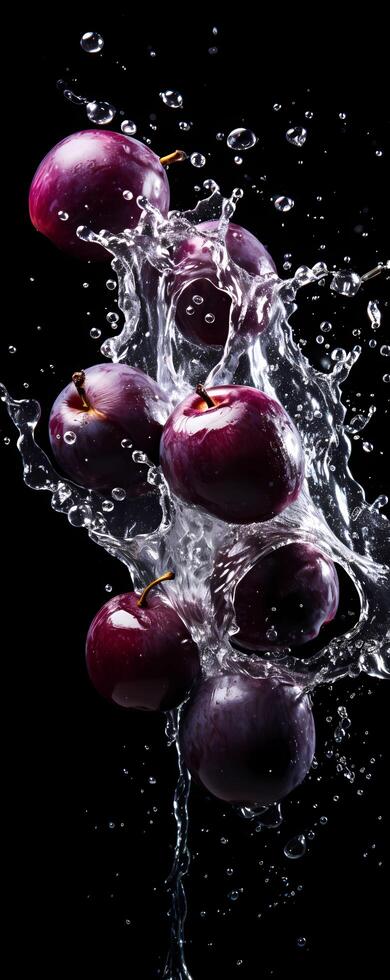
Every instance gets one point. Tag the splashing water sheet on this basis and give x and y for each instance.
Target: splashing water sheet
(161, 531)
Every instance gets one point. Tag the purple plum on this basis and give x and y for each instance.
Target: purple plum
(203, 306)
(98, 420)
(247, 739)
(233, 451)
(139, 652)
(93, 178)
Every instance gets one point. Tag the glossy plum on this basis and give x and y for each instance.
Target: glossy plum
(205, 319)
(85, 177)
(141, 656)
(240, 458)
(248, 739)
(285, 599)
(96, 424)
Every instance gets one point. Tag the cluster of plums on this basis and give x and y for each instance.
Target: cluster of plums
(231, 451)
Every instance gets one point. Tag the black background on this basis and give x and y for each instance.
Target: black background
(74, 764)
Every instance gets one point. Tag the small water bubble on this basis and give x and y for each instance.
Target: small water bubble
(238, 161)
(342, 115)
(198, 300)
(91, 42)
(63, 215)
(95, 333)
(128, 195)
(80, 515)
(184, 126)
(320, 339)
(213, 50)
(107, 506)
(241, 139)
(379, 153)
(295, 848)
(190, 310)
(345, 282)
(301, 942)
(385, 350)
(386, 378)
(171, 98)
(70, 437)
(6, 440)
(209, 318)
(210, 185)
(118, 493)
(297, 135)
(152, 780)
(368, 447)
(271, 634)
(323, 821)
(100, 112)
(128, 127)
(338, 354)
(276, 107)
(110, 284)
(220, 136)
(283, 203)
(11, 349)
(234, 895)
(197, 159)
(112, 317)
(108, 587)
(126, 444)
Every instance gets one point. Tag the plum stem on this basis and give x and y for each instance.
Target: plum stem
(78, 379)
(200, 390)
(162, 578)
(176, 157)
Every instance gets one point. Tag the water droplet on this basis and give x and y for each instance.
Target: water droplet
(63, 215)
(100, 112)
(184, 126)
(238, 161)
(209, 318)
(271, 634)
(379, 153)
(295, 848)
(112, 317)
(190, 310)
(107, 506)
(172, 99)
(128, 127)
(320, 339)
(234, 895)
(108, 587)
(301, 942)
(296, 135)
(220, 136)
(345, 282)
(210, 185)
(11, 349)
(386, 378)
(368, 447)
(276, 107)
(152, 780)
(79, 515)
(284, 203)
(70, 437)
(118, 493)
(385, 350)
(110, 284)
(338, 354)
(197, 159)
(95, 333)
(126, 444)
(197, 300)
(241, 139)
(91, 42)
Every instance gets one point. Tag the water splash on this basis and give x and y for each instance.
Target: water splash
(159, 531)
